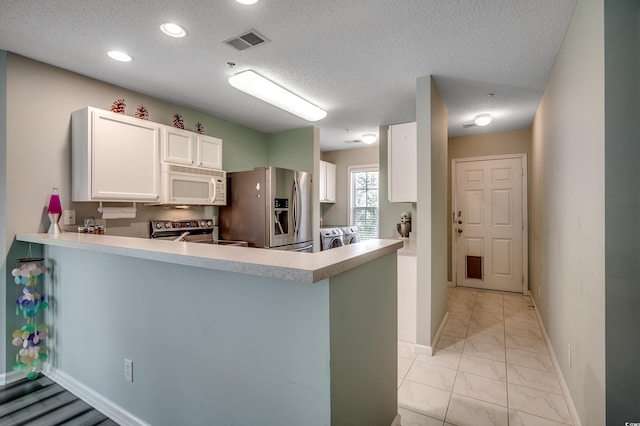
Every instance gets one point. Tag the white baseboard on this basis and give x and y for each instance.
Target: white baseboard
(556, 366)
(11, 376)
(94, 399)
(430, 350)
(396, 421)
(450, 284)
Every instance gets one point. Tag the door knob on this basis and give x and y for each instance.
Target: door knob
(459, 230)
(459, 222)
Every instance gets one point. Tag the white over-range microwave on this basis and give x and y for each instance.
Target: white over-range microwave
(182, 185)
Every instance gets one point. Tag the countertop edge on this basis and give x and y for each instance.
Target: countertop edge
(291, 266)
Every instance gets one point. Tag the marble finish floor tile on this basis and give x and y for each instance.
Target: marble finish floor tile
(483, 367)
(411, 418)
(488, 306)
(486, 336)
(455, 330)
(443, 358)
(464, 411)
(526, 344)
(532, 378)
(531, 333)
(518, 418)
(451, 343)
(482, 388)
(491, 366)
(423, 399)
(403, 367)
(484, 350)
(540, 403)
(529, 359)
(432, 375)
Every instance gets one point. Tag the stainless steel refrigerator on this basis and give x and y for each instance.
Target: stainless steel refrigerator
(269, 208)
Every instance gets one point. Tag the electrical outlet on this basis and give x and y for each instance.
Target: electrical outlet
(128, 370)
(68, 217)
(569, 354)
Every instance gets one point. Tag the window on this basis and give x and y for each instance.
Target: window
(363, 208)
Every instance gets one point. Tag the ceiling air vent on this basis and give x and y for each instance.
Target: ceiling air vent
(246, 40)
(352, 141)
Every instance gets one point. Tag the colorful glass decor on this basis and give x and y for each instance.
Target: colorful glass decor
(30, 338)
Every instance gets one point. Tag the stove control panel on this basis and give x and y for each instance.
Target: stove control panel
(163, 227)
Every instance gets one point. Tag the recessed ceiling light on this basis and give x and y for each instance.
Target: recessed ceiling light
(119, 56)
(247, 1)
(482, 119)
(173, 30)
(369, 138)
(256, 85)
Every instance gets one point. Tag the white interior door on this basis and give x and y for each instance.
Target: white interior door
(489, 231)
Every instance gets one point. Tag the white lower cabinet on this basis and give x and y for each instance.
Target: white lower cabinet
(114, 157)
(407, 288)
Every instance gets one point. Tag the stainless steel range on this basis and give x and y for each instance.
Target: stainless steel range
(201, 231)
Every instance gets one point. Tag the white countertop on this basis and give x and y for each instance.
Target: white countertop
(286, 265)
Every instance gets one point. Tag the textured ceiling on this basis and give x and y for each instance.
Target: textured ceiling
(357, 59)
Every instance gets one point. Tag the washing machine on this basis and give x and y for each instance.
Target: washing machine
(350, 235)
(331, 238)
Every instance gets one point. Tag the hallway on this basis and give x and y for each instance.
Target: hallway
(491, 367)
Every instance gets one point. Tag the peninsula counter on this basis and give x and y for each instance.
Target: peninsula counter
(222, 335)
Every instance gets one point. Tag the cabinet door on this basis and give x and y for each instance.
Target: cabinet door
(179, 146)
(402, 164)
(125, 154)
(330, 181)
(322, 181)
(209, 152)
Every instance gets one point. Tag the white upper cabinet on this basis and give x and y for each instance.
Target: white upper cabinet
(402, 163)
(114, 157)
(327, 182)
(185, 147)
(209, 152)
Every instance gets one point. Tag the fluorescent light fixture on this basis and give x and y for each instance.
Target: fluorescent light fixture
(256, 85)
(173, 30)
(482, 119)
(369, 138)
(247, 1)
(119, 56)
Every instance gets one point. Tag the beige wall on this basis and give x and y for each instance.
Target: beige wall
(514, 142)
(568, 211)
(338, 213)
(430, 216)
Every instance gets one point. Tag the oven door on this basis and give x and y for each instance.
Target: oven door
(184, 188)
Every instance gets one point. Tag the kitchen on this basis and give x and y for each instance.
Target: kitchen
(27, 80)
(39, 99)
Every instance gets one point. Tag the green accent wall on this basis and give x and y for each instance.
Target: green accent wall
(292, 149)
(622, 204)
(3, 210)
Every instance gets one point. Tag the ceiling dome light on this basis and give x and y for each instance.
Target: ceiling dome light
(173, 30)
(482, 119)
(247, 1)
(369, 138)
(119, 56)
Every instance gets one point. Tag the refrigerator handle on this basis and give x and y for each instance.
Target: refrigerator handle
(294, 207)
